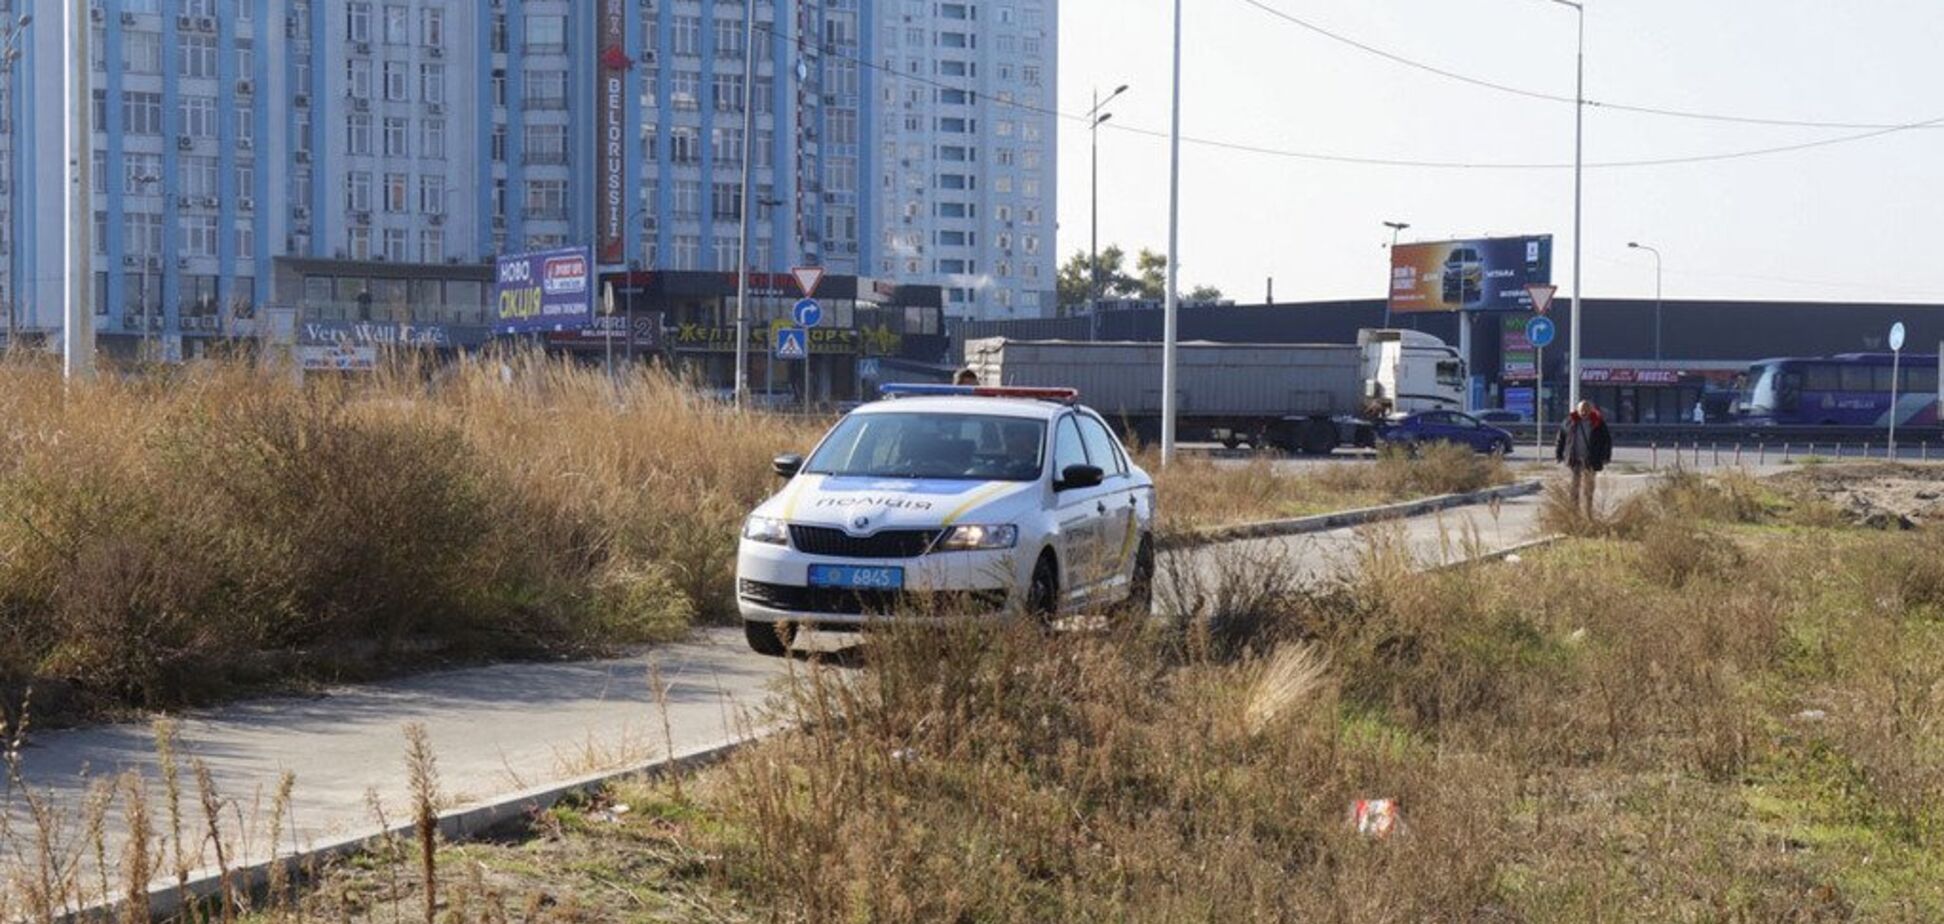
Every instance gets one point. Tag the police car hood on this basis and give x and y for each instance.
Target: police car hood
(862, 506)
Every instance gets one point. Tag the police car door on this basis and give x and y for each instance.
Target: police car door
(1115, 503)
(1078, 512)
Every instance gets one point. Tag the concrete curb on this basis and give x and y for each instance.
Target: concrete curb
(455, 825)
(1501, 554)
(1342, 518)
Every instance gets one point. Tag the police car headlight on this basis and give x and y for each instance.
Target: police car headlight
(974, 538)
(766, 529)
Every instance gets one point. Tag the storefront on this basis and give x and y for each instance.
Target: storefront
(863, 319)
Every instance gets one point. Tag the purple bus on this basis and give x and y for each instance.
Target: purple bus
(1850, 389)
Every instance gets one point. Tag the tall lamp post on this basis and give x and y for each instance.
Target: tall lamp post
(1657, 296)
(1579, 143)
(1173, 302)
(10, 36)
(146, 181)
(1395, 227)
(742, 242)
(1096, 118)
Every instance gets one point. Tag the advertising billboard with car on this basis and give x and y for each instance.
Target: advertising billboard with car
(548, 290)
(1489, 274)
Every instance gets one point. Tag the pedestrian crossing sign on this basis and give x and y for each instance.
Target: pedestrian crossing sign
(792, 343)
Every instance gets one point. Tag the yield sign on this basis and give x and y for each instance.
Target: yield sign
(807, 278)
(1542, 296)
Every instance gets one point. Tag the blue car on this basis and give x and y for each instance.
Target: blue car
(1446, 427)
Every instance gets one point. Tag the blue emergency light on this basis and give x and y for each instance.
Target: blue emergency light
(918, 389)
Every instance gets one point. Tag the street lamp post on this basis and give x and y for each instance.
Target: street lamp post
(742, 244)
(1096, 118)
(1579, 142)
(1657, 297)
(10, 37)
(144, 181)
(1172, 302)
(1395, 227)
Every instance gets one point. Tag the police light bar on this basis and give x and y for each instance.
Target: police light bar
(914, 390)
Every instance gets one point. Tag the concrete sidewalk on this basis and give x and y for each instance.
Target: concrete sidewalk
(506, 728)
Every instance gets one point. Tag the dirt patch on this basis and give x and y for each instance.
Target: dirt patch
(1881, 495)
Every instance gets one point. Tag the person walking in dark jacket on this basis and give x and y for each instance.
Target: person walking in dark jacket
(1585, 446)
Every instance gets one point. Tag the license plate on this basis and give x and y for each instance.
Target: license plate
(853, 577)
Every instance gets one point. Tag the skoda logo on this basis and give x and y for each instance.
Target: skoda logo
(859, 522)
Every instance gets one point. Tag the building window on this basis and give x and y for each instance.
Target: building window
(245, 238)
(357, 134)
(144, 233)
(198, 176)
(142, 113)
(432, 27)
(357, 192)
(728, 90)
(357, 26)
(546, 90)
(686, 35)
(499, 144)
(198, 235)
(357, 77)
(198, 56)
(358, 243)
(395, 245)
(725, 200)
(688, 199)
(199, 116)
(432, 83)
(729, 37)
(396, 87)
(687, 252)
(432, 138)
(683, 144)
(546, 144)
(397, 186)
(546, 34)
(395, 142)
(398, 25)
(725, 147)
(141, 174)
(431, 245)
(142, 52)
(431, 196)
(546, 199)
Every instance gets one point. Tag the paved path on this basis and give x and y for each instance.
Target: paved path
(501, 729)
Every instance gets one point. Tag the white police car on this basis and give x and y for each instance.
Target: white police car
(949, 500)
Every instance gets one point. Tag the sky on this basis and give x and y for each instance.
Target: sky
(1846, 222)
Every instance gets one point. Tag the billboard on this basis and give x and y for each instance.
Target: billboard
(543, 291)
(611, 163)
(1518, 361)
(1489, 274)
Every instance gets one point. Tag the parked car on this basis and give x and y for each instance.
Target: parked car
(1415, 430)
(948, 500)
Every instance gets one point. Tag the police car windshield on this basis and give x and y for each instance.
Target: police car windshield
(956, 446)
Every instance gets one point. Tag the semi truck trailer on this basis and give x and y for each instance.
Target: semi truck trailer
(1298, 397)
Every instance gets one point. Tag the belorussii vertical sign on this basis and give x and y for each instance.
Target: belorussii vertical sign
(611, 213)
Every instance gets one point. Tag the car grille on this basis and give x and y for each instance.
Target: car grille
(890, 543)
(874, 602)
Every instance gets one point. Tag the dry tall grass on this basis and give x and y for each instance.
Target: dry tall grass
(165, 540)
(1577, 736)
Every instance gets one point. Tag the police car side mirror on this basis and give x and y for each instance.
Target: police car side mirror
(1079, 476)
(787, 466)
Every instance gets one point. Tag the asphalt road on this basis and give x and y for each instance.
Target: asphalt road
(502, 729)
